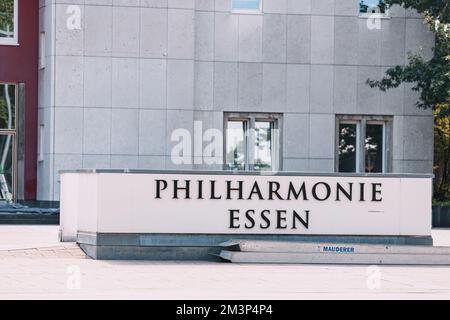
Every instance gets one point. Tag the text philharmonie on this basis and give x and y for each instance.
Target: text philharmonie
(270, 190)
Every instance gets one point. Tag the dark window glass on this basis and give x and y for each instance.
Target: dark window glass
(236, 148)
(347, 147)
(374, 148)
(372, 6)
(6, 18)
(263, 145)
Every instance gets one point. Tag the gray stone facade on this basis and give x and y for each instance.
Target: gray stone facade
(113, 91)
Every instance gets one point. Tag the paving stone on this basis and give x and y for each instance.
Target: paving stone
(42, 272)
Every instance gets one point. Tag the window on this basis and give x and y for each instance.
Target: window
(8, 101)
(370, 7)
(348, 141)
(363, 144)
(42, 50)
(249, 6)
(252, 142)
(8, 22)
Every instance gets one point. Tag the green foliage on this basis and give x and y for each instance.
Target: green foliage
(429, 77)
(441, 168)
(6, 12)
(436, 9)
(432, 79)
(441, 203)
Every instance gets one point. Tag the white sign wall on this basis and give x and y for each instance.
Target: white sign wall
(243, 204)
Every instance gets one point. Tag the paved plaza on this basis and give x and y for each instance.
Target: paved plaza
(34, 265)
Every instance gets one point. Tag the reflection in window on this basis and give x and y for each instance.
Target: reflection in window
(374, 148)
(7, 106)
(7, 134)
(347, 147)
(236, 145)
(263, 145)
(372, 6)
(7, 26)
(6, 166)
(252, 142)
(363, 144)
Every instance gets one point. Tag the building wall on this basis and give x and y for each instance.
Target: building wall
(19, 64)
(113, 92)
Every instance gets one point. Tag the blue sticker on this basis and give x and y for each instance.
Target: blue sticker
(338, 249)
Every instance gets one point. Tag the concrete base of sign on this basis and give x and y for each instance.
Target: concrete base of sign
(328, 253)
(207, 247)
(315, 258)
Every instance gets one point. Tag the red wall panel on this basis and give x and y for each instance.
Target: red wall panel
(20, 64)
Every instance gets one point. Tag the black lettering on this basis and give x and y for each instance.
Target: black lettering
(176, 188)
(233, 219)
(296, 194)
(297, 217)
(250, 219)
(361, 192)
(281, 219)
(376, 190)
(239, 189)
(200, 189)
(255, 190)
(274, 186)
(266, 219)
(327, 187)
(213, 191)
(159, 188)
(348, 194)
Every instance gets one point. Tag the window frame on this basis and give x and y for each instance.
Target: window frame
(247, 11)
(14, 41)
(380, 15)
(362, 121)
(42, 50)
(276, 119)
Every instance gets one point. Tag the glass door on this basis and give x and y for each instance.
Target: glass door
(8, 150)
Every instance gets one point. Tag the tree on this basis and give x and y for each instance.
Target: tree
(441, 185)
(430, 77)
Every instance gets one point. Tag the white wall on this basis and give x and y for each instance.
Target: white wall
(113, 92)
